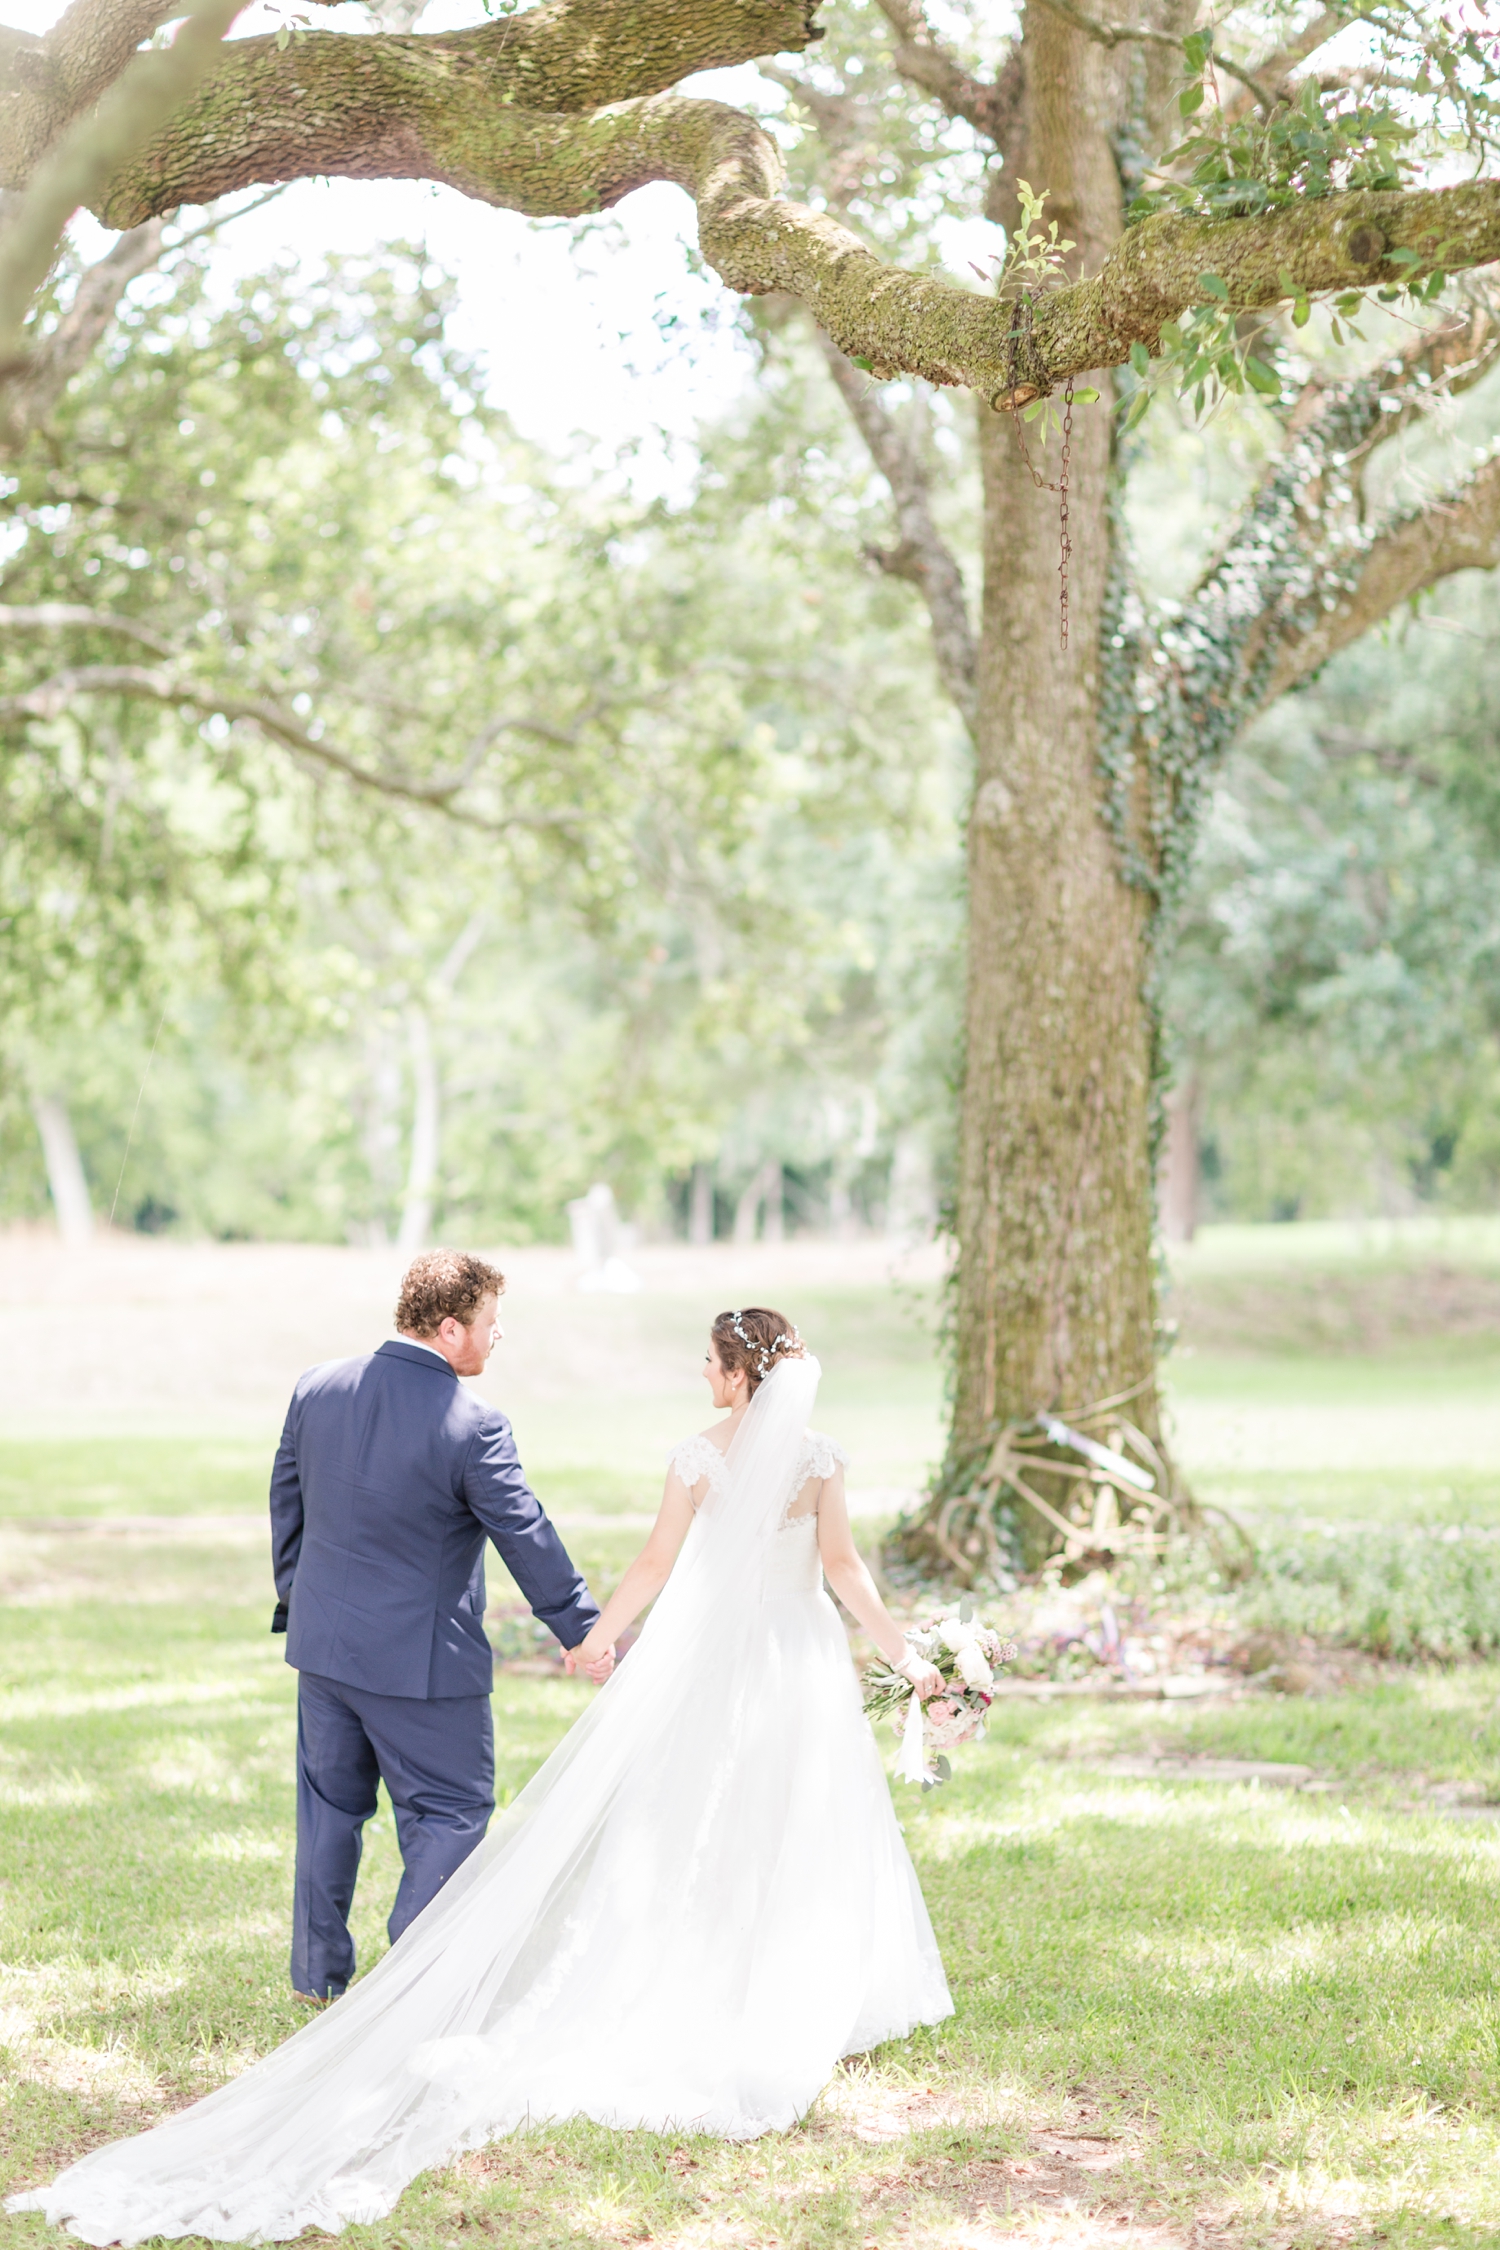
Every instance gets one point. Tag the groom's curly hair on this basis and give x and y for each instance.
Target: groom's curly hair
(444, 1285)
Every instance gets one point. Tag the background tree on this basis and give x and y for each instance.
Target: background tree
(1090, 765)
(448, 828)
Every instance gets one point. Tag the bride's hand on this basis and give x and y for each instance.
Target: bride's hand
(596, 1658)
(924, 1677)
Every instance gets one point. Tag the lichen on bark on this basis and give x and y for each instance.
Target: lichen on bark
(563, 110)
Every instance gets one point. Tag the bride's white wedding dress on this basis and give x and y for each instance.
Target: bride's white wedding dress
(697, 1906)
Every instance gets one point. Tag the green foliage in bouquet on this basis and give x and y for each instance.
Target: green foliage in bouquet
(968, 1653)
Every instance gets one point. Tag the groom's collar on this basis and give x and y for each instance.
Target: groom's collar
(421, 1355)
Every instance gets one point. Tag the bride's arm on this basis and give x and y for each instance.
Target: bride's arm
(645, 1578)
(848, 1574)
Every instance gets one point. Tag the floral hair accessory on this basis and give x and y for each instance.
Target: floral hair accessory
(763, 1356)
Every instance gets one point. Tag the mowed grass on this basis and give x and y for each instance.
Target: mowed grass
(1278, 2009)
(1267, 2014)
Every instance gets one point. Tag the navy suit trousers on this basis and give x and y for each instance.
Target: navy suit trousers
(436, 1756)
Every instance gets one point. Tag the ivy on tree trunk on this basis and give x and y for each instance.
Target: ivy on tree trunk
(1090, 764)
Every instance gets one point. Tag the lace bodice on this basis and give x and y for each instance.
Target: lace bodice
(698, 1460)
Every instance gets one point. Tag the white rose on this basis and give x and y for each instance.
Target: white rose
(976, 1673)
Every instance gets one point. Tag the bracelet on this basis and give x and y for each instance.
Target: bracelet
(904, 1667)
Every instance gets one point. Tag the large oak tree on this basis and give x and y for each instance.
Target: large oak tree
(1090, 758)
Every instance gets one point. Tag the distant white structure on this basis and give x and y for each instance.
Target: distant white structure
(599, 1235)
(65, 1174)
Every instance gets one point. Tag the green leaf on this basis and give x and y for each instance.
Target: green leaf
(1030, 413)
(1196, 49)
(1349, 302)
(1301, 313)
(1190, 98)
(1085, 397)
(1264, 378)
(1140, 360)
(1212, 286)
(1403, 257)
(1139, 404)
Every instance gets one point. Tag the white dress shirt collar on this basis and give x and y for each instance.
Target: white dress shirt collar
(420, 1346)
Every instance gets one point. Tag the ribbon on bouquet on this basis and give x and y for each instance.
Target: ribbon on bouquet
(912, 1763)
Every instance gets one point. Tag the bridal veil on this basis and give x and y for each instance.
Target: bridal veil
(695, 1907)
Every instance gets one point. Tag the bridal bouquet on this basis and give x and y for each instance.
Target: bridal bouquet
(967, 1652)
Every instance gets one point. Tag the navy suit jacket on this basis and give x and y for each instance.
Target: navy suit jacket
(388, 1478)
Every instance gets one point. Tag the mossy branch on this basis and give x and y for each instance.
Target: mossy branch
(464, 109)
(1458, 530)
(77, 168)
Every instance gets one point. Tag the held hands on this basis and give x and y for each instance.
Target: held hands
(596, 1658)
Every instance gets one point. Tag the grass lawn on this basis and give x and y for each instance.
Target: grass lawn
(1225, 2012)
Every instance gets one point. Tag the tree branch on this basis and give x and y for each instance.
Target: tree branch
(1459, 531)
(279, 113)
(993, 108)
(1274, 69)
(1299, 579)
(52, 697)
(379, 107)
(77, 168)
(922, 555)
(1440, 360)
(93, 41)
(1114, 34)
(34, 387)
(29, 393)
(52, 617)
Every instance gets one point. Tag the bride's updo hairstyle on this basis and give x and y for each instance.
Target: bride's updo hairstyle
(755, 1339)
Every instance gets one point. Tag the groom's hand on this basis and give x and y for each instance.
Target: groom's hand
(598, 1668)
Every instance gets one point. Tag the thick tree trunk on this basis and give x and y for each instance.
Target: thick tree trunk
(1055, 1295)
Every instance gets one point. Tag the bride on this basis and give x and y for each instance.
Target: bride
(699, 1903)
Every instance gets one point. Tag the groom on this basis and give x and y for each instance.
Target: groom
(388, 1478)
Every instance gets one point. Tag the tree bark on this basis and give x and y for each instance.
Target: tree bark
(1055, 1301)
(563, 110)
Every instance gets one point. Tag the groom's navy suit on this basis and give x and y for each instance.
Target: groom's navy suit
(388, 1479)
